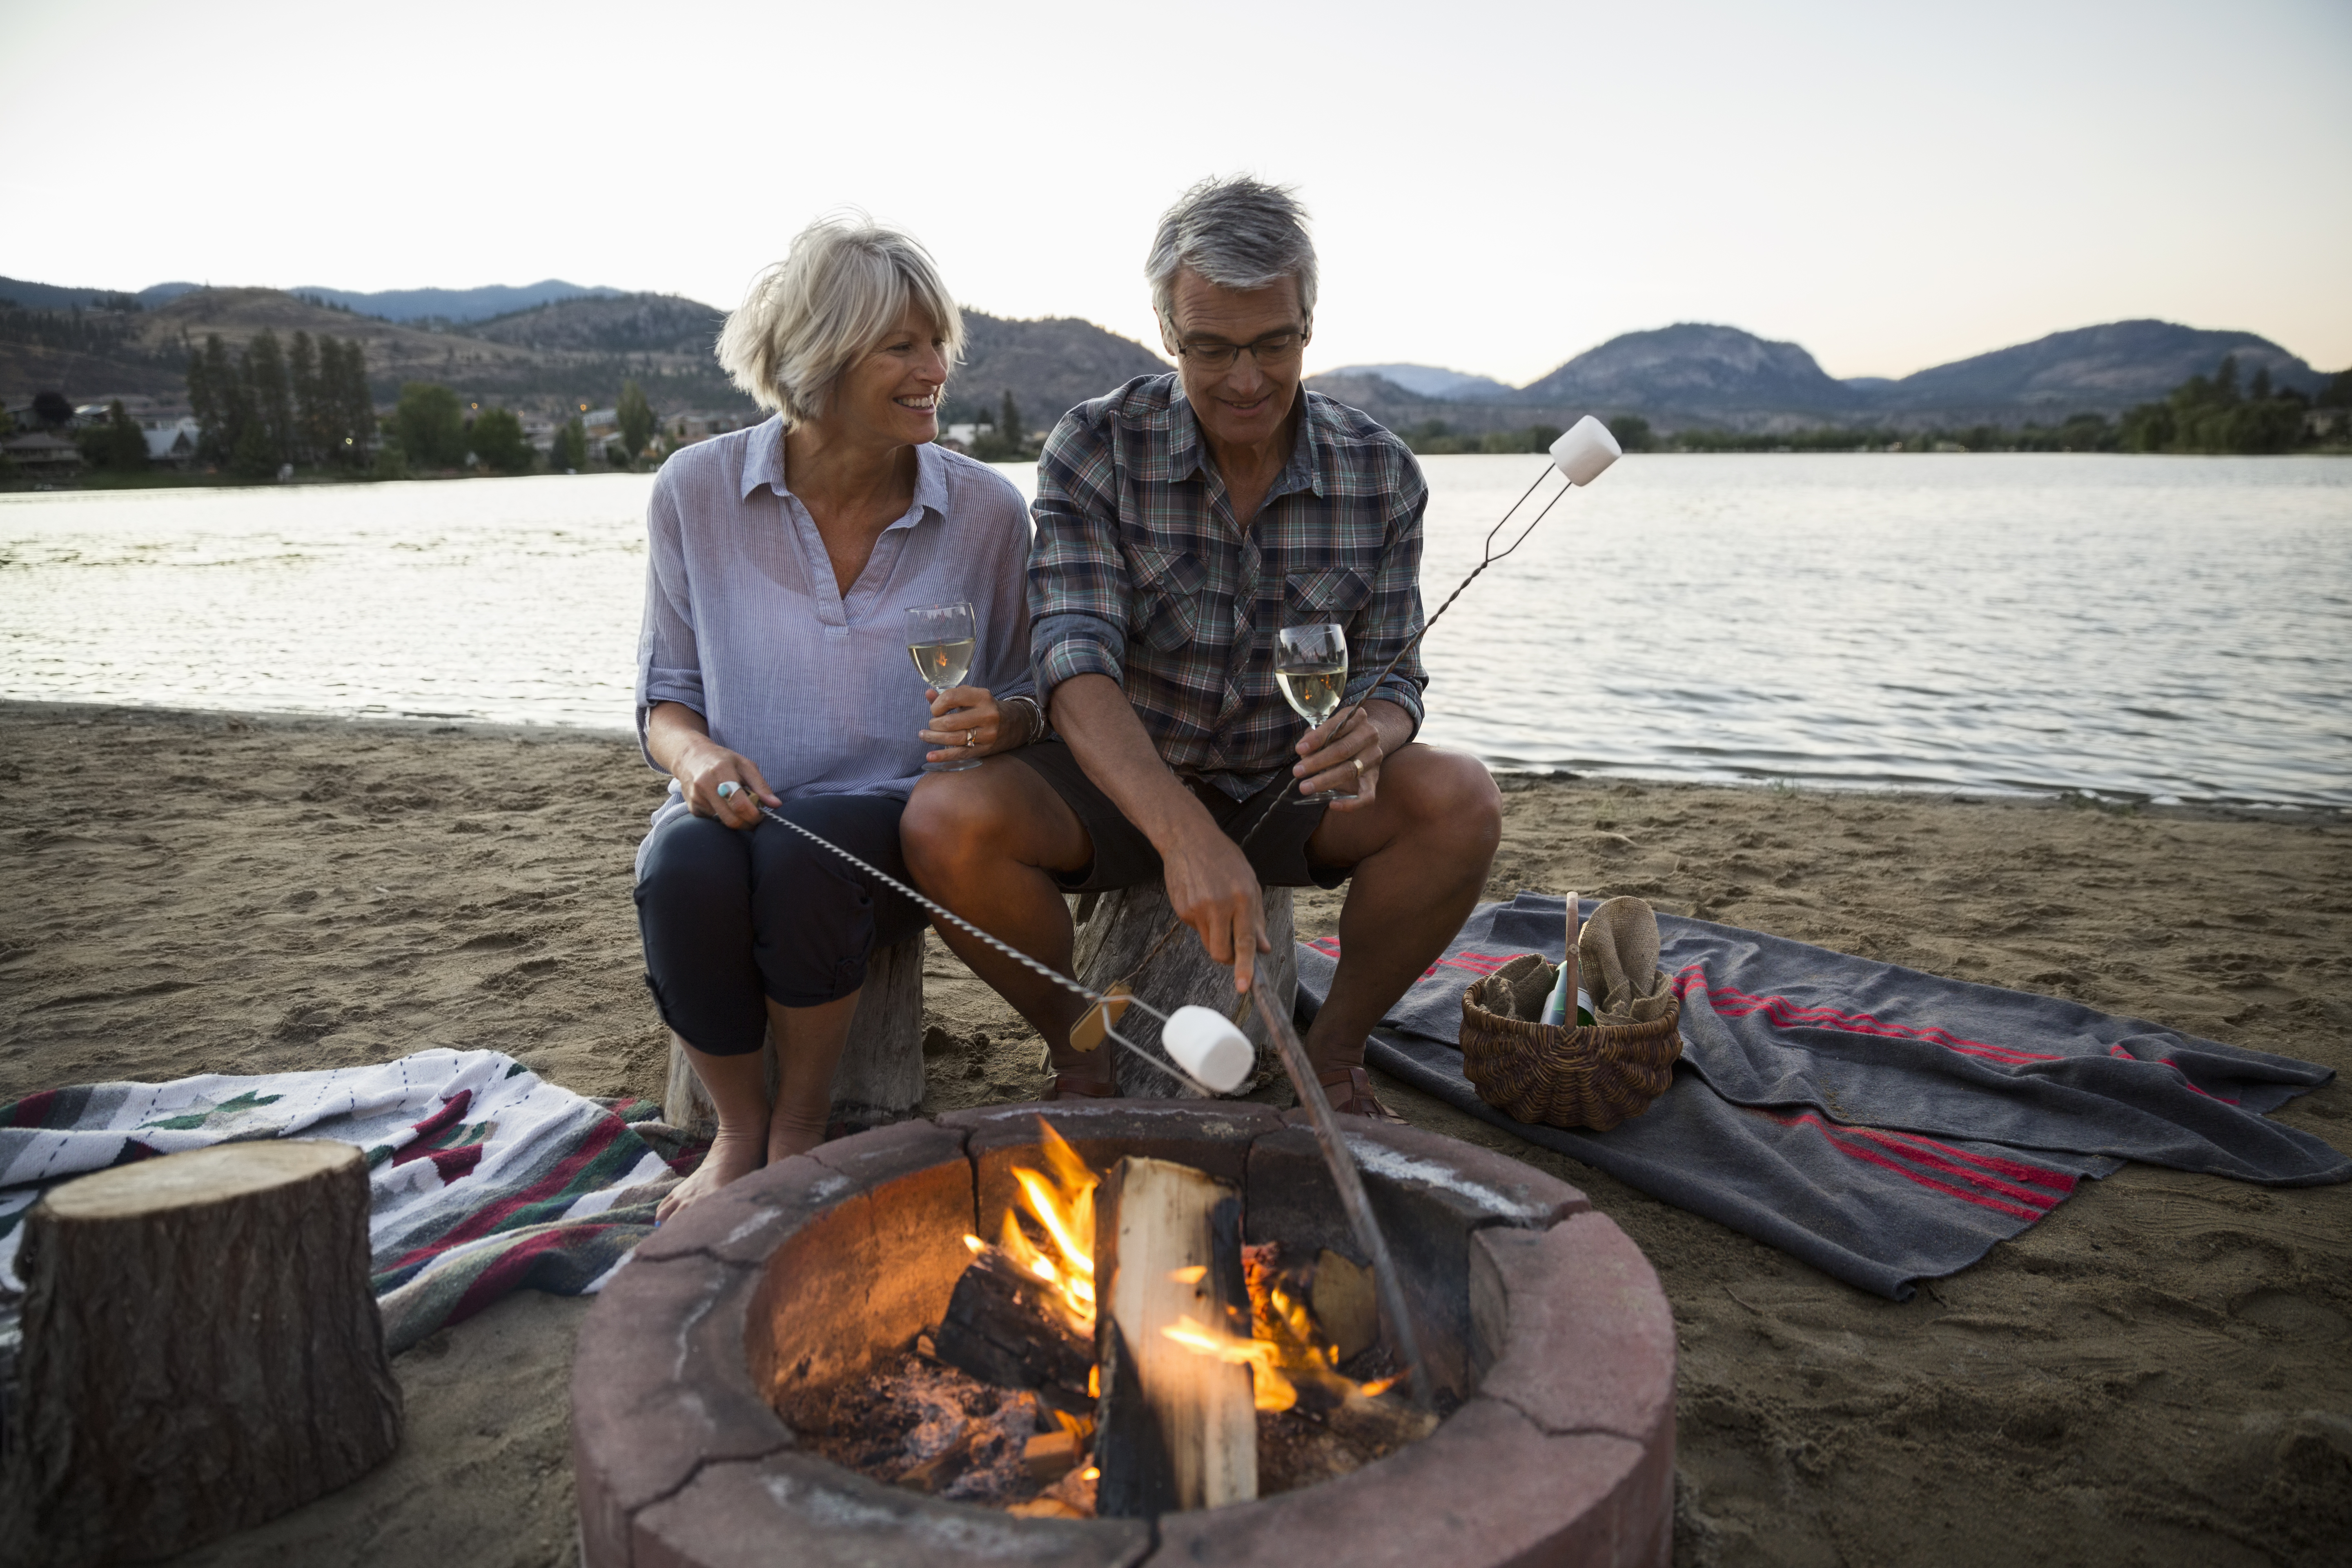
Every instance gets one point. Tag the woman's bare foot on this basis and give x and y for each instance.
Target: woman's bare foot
(733, 1155)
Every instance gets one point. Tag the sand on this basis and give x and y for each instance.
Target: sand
(2160, 1372)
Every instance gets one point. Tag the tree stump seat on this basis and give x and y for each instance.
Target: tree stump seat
(1118, 927)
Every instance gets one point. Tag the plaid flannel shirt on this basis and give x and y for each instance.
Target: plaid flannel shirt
(1139, 572)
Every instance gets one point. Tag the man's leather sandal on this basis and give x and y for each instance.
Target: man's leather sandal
(1350, 1091)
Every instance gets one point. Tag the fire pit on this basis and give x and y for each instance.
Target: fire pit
(1542, 1324)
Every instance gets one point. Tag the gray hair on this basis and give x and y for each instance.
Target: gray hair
(1238, 233)
(830, 301)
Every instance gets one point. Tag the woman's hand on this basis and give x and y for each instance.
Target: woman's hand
(967, 723)
(702, 766)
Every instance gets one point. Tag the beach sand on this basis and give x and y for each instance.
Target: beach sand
(2160, 1372)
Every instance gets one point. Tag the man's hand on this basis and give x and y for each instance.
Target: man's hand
(1212, 890)
(1345, 752)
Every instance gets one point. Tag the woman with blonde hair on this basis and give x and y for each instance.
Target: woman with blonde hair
(773, 671)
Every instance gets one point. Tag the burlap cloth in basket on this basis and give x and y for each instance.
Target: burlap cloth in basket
(1595, 1076)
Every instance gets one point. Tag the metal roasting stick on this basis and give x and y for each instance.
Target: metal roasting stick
(1352, 1197)
(1007, 949)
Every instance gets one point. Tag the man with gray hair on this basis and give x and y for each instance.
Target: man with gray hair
(1182, 521)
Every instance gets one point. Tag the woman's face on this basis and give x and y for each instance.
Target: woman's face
(894, 391)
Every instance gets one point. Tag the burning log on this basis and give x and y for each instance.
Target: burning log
(1006, 1326)
(1175, 1428)
(202, 1351)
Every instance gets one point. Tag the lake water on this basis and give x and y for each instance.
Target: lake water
(2139, 628)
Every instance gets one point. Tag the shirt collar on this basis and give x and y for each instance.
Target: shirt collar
(1307, 470)
(764, 465)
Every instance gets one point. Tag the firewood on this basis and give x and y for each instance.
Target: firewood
(202, 1351)
(1005, 1326)
(1345, 1303)
(1176, 1429)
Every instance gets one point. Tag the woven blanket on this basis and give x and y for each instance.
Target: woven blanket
(484, 1179)
(1883, 1124)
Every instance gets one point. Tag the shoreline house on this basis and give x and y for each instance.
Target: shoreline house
(172, 446)
(39, 455)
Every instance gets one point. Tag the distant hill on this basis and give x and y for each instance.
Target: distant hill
(1050, 366)
(1697, 374)
(2105, 369)
(451, 304)
(56, 296)
(1696, 368)
(551, 357)
(611, 323)
(1429, 381)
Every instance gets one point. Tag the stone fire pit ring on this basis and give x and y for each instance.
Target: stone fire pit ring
(1539, 1314)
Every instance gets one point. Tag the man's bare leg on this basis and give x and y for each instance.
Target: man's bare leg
(986, 843)
(1422, 850)
(738, 1087)
(808, 1050)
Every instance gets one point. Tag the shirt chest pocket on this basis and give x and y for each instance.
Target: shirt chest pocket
(1167, 613)
(1333, 594)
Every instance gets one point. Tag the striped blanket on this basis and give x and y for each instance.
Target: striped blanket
(485, 1179)
(1882, 1124)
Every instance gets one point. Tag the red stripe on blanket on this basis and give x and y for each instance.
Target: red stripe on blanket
(2017, 1170)
(486, 1220)
(2178, 1071)
(1873, 1157)
(1783, 1014)
(33, 1109)
(454, 1164)
(508, 1272)
(1469, 959)
(441, 1121)
(2043, 1201)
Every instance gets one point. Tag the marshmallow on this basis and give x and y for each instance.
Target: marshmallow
(1585, 450)
(1206, 1044)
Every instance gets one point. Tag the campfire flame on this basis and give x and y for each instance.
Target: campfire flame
(1060, 1201)
(1286, 1351)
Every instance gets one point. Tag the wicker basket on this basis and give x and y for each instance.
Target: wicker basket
(1592, 1077)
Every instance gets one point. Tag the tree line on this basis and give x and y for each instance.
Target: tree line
(308, 404)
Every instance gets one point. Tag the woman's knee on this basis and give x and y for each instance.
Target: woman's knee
(695, 861)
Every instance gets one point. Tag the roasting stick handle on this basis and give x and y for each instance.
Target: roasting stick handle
(1353, 1196)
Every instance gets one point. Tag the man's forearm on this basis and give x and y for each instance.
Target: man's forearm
(1110, 742)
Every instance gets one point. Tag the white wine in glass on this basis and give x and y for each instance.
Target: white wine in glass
(940, 639)
(1311, 665)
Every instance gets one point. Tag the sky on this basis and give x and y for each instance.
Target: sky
(1495, 186)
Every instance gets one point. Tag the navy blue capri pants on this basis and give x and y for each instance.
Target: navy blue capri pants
(734, 917)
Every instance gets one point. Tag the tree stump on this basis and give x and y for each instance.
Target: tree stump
(880, 1079)
(1122, 927)
(202, 1351)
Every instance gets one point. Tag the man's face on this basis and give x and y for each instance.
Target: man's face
(1244, 403)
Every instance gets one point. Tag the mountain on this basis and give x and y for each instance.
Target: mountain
(1696, 368)
(55, 297)
(2105, 369)
(1430, 381)
(450, 304)
(550, 357)
(611, 323)
(1050, 366)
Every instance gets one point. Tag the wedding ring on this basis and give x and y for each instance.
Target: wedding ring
(1359, 768)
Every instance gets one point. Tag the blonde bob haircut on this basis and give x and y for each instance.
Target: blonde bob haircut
(833, 300)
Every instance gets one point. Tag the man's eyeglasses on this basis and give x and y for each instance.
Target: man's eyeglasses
(1273, 349)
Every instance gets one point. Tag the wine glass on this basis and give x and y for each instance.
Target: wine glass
(1311, 665)
(940, 639)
